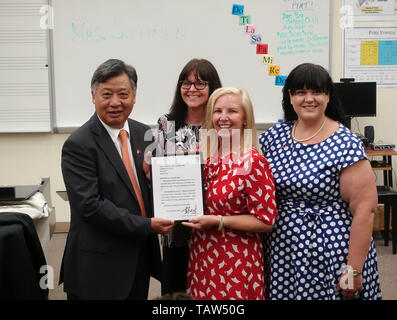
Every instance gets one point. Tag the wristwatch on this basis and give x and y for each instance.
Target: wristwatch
(355, 272)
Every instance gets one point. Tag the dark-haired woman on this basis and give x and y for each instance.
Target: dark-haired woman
(321, 246)
(178, 131)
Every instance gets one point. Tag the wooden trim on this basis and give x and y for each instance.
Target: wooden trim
(382, 168)
(380, 153)
(62, 227)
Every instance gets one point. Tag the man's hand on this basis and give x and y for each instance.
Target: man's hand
(160, 225)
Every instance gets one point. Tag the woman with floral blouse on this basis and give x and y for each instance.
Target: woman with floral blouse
(178, 131)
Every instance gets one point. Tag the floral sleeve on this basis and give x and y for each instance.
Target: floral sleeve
(260, 190)
(160, 135)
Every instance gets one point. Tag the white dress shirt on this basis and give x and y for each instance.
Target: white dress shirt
(114, 135)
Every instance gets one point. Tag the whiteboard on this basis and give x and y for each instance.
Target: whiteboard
(159, 37)
(24, 78)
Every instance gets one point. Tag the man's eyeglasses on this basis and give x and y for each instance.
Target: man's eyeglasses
(199, 85)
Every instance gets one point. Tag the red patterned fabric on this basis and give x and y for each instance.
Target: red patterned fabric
(228, 264)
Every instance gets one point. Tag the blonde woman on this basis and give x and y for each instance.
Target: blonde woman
(225, 251)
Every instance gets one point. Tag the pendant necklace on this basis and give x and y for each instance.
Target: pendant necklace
(306, 139)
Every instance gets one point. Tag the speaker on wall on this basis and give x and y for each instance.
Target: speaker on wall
(369, 133)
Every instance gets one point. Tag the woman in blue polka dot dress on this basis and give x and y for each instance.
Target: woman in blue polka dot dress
(321, 246)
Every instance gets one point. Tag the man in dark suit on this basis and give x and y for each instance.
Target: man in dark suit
(112, 247)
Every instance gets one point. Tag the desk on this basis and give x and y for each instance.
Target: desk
(388, 169)
(63, 195)
(386, 194)
(45, 226)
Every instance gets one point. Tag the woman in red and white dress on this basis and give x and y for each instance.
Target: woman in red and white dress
(225, 250)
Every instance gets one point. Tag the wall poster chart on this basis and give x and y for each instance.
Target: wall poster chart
(370, 54)
(371, 10)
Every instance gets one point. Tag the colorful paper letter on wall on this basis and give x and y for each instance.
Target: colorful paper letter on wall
(256, 38)
(261, 48)
(245, 20)
(280, 80)
(249, 29)
(274, 70)
(238, 10)
(268, 59)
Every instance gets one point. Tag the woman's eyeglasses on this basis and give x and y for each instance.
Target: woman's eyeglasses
(199, 85)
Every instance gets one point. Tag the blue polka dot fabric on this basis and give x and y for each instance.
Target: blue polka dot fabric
(306, 252)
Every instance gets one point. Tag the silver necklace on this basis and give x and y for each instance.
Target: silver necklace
(306, 139)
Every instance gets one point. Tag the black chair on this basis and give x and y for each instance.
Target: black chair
(21, 259)
(388, 197)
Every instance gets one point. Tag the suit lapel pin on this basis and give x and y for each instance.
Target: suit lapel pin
(138, 151)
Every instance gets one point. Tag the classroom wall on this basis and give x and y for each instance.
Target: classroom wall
(26, 158)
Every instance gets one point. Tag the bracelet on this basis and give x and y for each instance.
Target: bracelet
(220, 226)
(357, 273)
